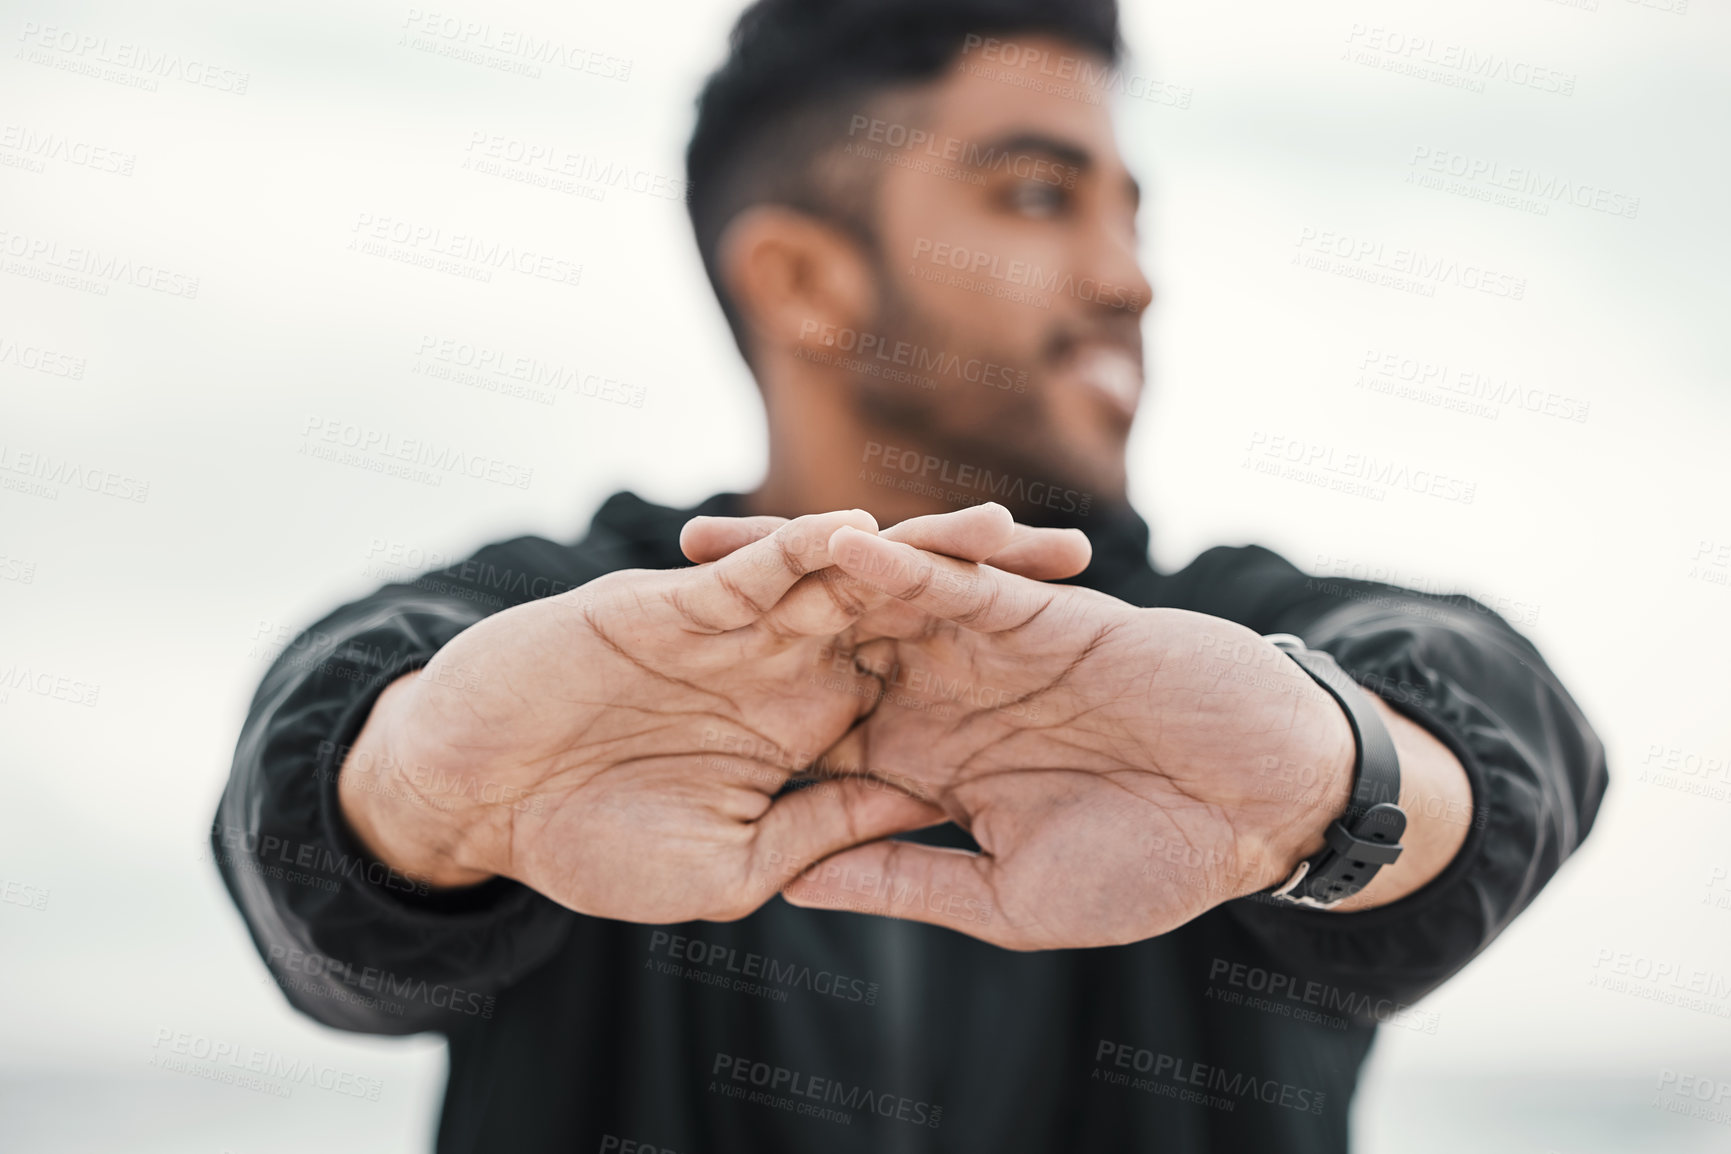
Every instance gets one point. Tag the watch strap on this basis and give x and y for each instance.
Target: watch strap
(1367, 836)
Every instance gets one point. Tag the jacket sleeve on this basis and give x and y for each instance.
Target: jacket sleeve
(350, 942)
(1536, 767)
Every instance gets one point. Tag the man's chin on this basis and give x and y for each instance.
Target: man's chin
(1055, 494)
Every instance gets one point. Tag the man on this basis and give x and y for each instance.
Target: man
(870, 831)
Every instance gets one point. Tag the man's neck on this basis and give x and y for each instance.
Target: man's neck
(791, 494)
(821, 459)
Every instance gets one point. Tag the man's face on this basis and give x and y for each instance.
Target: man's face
(1007, 240)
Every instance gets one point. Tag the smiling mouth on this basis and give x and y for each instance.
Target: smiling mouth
(1109, 371)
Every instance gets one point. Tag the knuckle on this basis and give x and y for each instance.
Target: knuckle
(788, 547)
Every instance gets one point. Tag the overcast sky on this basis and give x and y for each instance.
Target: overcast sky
(1287, 152)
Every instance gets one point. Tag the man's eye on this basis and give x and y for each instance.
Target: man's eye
(1037, 198)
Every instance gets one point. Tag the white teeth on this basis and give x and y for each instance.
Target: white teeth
(1112, 371)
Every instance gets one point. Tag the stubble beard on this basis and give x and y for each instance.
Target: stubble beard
(1007, 442)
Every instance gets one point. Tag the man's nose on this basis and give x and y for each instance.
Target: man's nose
(1112, 261)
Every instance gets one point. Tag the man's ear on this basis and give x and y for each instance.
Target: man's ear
(790, 275)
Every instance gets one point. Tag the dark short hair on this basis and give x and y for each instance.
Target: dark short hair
(798, 70)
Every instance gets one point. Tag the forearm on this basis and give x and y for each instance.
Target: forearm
(1536, 772)
(1438, 800)
(1435, 794)
(326, 918)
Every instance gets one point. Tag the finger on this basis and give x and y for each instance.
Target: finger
(746, 584)
(831, 601)
(917, 883)
(846, 758)
(972, 534)
(977, 533)
(822, 604)
(988, 533)
(1040, 554)
(978, 597)
(712, 538)
(827, 602)
(851, 757)
(810, 824)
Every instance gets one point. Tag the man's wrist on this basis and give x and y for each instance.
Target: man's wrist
(389, 816)
(1334, 752)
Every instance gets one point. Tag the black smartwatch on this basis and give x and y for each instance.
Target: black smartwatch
(1367, 836)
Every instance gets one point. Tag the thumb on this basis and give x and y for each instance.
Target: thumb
(808, 825)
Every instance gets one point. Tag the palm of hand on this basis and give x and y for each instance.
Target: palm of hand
(643, 779)
(1076, 737)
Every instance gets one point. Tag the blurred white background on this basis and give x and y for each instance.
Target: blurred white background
(1608, 539)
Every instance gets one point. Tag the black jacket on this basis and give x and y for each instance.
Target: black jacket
(806, 1030)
